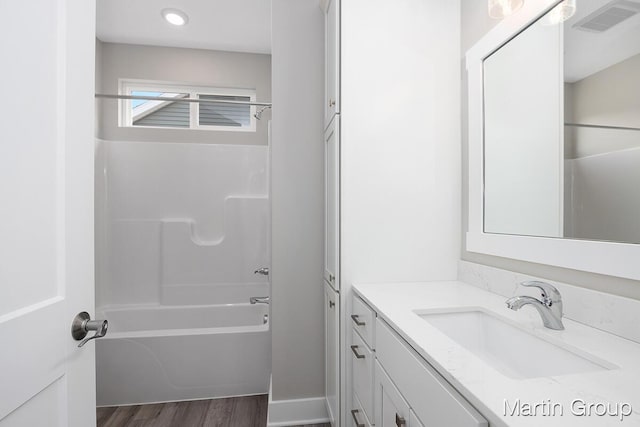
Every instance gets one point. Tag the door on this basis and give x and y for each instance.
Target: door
(332, 355)
(46, 211)
(332, 59)
(392, 409)
(332, 204)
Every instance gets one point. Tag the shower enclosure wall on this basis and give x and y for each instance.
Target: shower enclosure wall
(180, 230)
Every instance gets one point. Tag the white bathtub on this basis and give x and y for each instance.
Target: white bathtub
(169, 353)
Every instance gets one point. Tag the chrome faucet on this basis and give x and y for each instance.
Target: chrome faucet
(550, 307)
(259, 300)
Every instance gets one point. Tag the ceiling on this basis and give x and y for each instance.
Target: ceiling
(229, 25)
(587, 53)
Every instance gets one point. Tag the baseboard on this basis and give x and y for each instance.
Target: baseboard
(294, 412)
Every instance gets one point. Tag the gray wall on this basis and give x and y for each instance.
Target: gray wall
(191, 66)
(297, 197)
(610, 96)
(475, 24)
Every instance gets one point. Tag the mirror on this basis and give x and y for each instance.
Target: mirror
(562, 127)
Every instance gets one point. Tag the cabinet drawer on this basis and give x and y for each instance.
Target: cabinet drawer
(417, 380)
(362, 368)
(363, 319)
(357, 417)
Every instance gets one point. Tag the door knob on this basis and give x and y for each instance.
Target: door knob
(263, 271)
(82, 324)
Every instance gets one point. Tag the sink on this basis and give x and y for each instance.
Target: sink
(510, 349)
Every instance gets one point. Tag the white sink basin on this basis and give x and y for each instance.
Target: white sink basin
(509, 349)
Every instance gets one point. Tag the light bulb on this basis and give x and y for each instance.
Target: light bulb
(561, 12)
(500, 8)
(175, 16)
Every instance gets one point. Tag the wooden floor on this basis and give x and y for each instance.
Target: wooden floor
(250, 411)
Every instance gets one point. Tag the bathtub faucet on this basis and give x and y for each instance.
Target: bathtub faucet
(259, 300)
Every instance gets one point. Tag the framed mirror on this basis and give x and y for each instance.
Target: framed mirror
(554, 137)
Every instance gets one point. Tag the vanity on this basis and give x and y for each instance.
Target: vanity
(451, 354)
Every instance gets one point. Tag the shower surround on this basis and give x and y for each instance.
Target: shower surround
(180, 230)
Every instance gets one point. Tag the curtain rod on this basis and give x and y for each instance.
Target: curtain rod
(164, 98)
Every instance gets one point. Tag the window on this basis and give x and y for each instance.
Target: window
(223, 108)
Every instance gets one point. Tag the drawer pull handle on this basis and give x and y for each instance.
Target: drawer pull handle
(400, 421)
(331, 304)
(355, 318)
(355, 418)
(354, 348)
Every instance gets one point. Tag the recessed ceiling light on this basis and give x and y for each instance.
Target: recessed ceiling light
(175, 16)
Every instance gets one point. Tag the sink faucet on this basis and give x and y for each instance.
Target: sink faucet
(550, 307)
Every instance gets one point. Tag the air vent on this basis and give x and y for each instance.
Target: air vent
(608, 16)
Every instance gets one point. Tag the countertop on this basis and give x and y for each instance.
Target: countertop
(559, 398)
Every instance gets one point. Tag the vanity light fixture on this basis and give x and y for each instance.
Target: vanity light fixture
(175, 17)
(500, 8)
(561, 12)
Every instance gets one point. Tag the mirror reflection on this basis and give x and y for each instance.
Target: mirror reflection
(562, 127)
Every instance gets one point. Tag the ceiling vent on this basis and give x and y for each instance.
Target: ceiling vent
(608, 16)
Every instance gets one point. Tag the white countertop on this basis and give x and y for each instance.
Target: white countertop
(485, 387)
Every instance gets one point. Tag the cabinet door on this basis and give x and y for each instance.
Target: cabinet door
(414, 421)
(332, 59)
(332, 373)
(391, 408)
(332, 204)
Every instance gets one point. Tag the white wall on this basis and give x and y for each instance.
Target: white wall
(475, 24)
(297, 197)
(610, 97)
(400, 140)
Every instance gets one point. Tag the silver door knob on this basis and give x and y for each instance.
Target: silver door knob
(82, 324)
(263, 271)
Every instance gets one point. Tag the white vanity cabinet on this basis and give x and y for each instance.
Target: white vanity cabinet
(393, 386)
(332, 204)
(332, 59)
(331, 269)
(332, 353)
(434, 401)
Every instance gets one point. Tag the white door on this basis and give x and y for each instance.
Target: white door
(46, 211)
(332, 353)
(332, 59)
(332, 204)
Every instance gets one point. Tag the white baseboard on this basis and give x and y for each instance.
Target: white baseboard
(293, 412)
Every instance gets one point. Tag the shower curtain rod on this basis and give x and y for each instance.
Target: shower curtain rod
(164, 98)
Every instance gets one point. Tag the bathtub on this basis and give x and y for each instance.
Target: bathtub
(170, 353)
